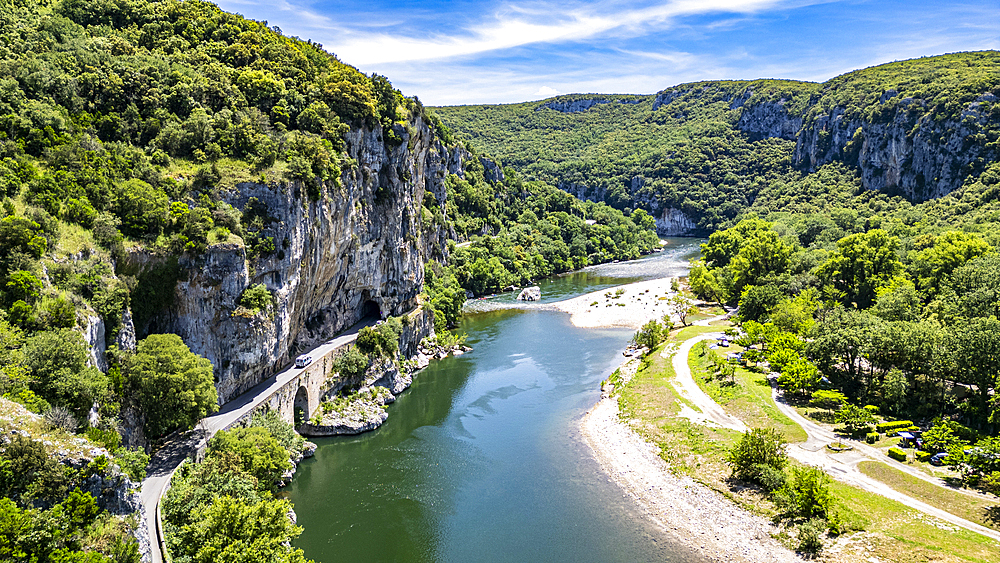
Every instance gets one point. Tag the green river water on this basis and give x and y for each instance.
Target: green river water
(482, 459)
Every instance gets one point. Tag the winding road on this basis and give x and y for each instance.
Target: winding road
(169, 457)
(842, 466)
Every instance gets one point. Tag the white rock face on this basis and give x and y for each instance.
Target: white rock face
(533, 293)
(673, 222)
(358, 250)
(93, 333)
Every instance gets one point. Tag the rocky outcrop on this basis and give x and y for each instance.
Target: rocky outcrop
(533, 293)
(906, 151)
(765, 120)
(358, 251)
(674, 223)
(900, 149)
(572, 106)
(93, 334)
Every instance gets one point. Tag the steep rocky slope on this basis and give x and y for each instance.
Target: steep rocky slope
(696, 154)
(358, 251)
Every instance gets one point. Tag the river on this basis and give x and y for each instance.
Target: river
(481, 459)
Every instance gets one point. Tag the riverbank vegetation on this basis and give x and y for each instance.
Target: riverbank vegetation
(898, 320)
(224, 507)
(855, 520)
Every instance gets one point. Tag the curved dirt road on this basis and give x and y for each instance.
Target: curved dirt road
(843, 466)
(710, 411)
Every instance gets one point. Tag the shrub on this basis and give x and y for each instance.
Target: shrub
(897, 454)
(810, 492)
(381, 341)
(809, 540)
(759, 446)
(855, 418)
(255, 451)
(649, 336)
(280, 430)
(110, 439)
(872, 437)
(770, 478)
(351, 365)
(132, 462)
(257, 298)
(829, 400)
(924, 456)
(60, 417)
(886, 427)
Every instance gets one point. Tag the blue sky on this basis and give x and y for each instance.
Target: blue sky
(473, 51)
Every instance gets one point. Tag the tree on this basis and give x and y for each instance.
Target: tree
(799, 377)
(942, 438)
(855, 418)
(898, 301)
(862, 263)
(976, 356)
(255, 451)
(649, 336)
(796, 315)
(762, 254)
(950, 250)
(973, 289)
(228, 529)
(60, 375)
(143, 209)
(680, 307)
(757, 448)
(174, 386)
(703, 283)
(829, 400)
(23, 286)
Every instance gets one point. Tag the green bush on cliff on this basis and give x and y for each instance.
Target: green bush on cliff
(256, 298)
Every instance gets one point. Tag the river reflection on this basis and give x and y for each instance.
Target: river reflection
(480, 460)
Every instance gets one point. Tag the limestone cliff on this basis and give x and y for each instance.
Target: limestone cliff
(357, 251)
(901, 149)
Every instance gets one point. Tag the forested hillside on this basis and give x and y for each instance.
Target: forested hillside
(710, 150)
(141, 142)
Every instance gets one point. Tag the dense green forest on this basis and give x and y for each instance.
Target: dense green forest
(120, 124)
(901, 321)
(701, 149)
(121, 121)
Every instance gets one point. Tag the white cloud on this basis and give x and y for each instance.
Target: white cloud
(515, 27)
(546, 92)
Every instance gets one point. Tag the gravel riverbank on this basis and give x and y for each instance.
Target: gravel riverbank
(697, 516)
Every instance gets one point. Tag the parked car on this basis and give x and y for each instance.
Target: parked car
(938, 458)
(303, 360)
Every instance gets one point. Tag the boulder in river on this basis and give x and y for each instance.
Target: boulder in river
(533, 293)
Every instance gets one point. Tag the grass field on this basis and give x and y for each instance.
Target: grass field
(964, 506)
(891, 531)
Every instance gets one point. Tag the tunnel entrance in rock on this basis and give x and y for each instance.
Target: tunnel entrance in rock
(370, 309)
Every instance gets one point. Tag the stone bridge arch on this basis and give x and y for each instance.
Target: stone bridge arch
(303, 406)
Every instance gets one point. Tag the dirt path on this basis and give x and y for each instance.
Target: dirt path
(708, 411)
(843, 466)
